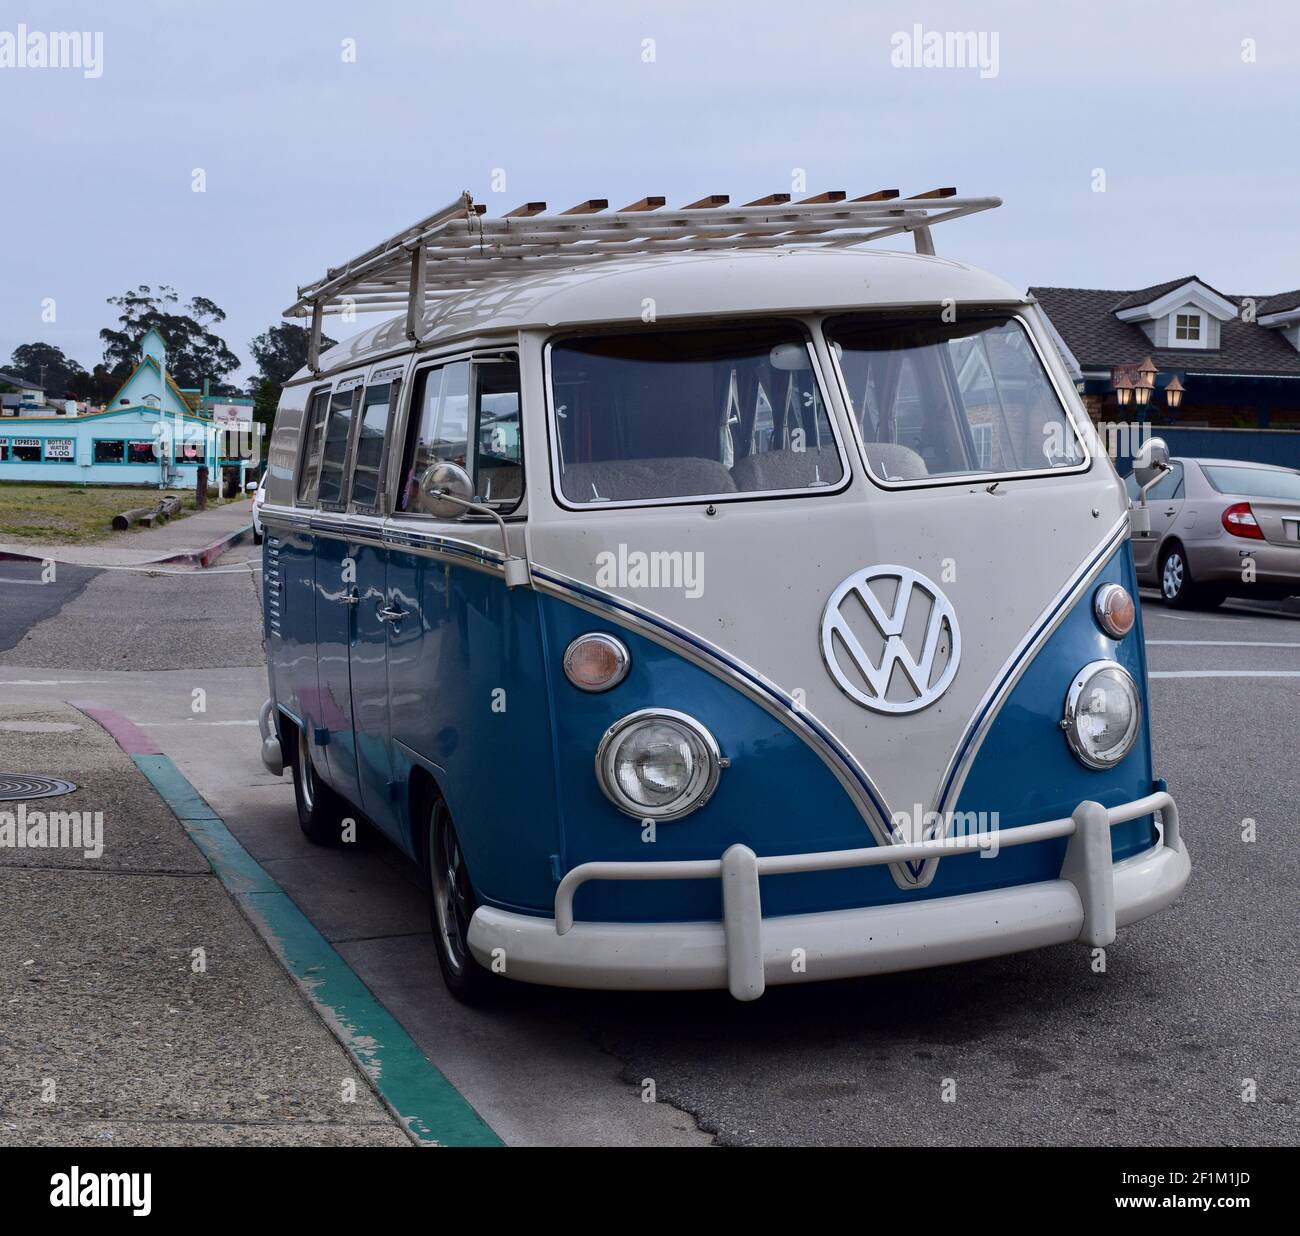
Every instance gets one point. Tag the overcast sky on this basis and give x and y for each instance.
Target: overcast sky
(309, 158)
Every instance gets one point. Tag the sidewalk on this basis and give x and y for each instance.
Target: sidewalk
(140, 1007)
(219, 526)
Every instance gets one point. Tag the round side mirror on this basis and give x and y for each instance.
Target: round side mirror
(1151, 459)
(445, 488)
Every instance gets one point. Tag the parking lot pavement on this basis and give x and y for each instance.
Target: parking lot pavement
(1194, 1002)
(140, 1007)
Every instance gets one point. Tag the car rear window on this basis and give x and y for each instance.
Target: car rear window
(1254, 482)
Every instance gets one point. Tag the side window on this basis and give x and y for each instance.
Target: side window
(313, 433)
(334, 455)
(499, 461)
(439, 426)
(367, 480)
(109, 451)
(1168, 487)
(469, 415)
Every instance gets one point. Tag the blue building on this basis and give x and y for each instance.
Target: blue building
(149, 434)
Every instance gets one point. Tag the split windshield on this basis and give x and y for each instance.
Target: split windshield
(940, 400)
(702, 413)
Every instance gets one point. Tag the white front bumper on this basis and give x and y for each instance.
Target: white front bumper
(745, 951)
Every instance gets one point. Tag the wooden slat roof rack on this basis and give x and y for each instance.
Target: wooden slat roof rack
(459, 246)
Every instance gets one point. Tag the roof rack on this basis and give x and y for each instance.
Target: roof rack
(458, 247)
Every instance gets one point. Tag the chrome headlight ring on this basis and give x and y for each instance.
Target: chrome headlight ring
(697, 763)
(1080, 705)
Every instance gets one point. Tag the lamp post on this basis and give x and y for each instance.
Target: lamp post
(1136, 384)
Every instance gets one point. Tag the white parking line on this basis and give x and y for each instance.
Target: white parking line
(1223, 643)
(1223, 673)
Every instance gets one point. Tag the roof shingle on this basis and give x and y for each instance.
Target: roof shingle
(1085, 319)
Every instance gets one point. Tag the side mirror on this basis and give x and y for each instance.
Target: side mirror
(251, 487)
(445, 489)
(1151, 460)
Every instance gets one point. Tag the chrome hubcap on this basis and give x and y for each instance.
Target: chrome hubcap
(1173, 576)
(451, 895)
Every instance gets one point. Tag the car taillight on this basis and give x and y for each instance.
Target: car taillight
(1240, 520)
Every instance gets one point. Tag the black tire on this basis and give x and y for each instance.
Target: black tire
(258, 538)
(320, 810)
(451, 906)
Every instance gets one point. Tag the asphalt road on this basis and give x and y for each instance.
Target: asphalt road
(28, 595)
(1194, 1005)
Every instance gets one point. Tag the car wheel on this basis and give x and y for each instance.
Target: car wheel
(452, 907)
(1176, 586)
(257, 537)
(320, 810)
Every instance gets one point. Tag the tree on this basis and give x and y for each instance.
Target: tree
(47, 365)
(96, 387)
(194, 350)
(280, 351)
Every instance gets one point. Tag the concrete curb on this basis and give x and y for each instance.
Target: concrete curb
(430, 1110)
(205, 556)
(191, 557)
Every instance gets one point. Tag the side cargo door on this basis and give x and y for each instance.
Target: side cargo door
(337, 597)
(375, 616)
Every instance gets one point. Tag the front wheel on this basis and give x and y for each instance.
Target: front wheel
(320, 810)
(453, 906)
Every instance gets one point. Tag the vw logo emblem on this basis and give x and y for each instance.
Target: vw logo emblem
(871, 625)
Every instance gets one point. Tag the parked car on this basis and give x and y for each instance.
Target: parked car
(259, 498)
(784, 633)
(1220, 528)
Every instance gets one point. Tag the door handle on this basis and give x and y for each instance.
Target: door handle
(388, 614)
(1171, 510)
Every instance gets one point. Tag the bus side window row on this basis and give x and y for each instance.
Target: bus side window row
(453, 405)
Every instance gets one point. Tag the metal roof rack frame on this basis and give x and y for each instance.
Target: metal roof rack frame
(457, 247)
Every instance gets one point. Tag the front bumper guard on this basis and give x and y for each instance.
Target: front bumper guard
(1088, 902)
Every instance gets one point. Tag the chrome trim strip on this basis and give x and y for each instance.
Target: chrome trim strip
(1015, 665)
(753, 685)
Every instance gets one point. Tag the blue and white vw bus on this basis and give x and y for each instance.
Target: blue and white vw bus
(706, 598)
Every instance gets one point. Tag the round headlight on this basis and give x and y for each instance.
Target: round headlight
(596, 662)
(1114, 610)
(1103, 714)
(657, 764)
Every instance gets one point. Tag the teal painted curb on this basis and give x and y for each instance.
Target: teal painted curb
(431, 1110)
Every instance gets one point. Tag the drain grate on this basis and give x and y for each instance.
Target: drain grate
(16, 786)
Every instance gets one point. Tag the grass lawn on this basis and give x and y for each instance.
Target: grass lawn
(73, 514)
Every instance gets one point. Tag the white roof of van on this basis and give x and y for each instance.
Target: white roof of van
(687, 285)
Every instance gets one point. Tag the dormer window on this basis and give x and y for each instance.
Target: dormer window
(1187, 328)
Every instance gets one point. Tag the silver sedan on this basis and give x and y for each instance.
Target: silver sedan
(1220, 528)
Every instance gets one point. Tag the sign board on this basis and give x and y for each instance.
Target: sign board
(26, 441)
(60, 448)
(230, 415)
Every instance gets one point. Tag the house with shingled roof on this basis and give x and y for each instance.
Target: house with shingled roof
(1236, 357)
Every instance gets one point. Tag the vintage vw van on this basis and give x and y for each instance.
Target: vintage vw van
(708, 600)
